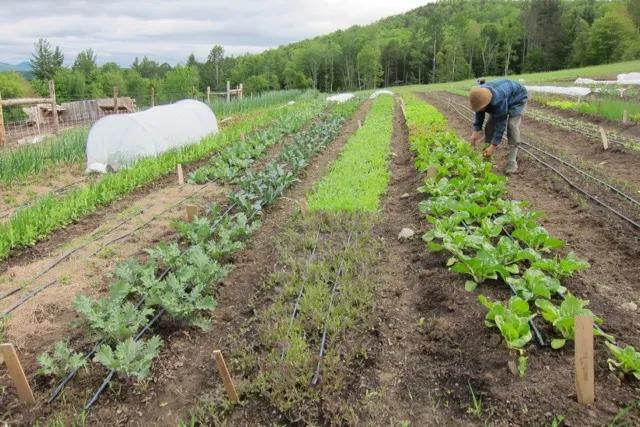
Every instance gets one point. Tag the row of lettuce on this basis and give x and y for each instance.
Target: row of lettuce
(53, 211)
(180, 278)
(492, 238)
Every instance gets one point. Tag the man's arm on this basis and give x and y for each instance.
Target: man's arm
(501, 125)
(478, 121)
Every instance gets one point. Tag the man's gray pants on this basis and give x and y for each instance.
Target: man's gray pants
(513, 130)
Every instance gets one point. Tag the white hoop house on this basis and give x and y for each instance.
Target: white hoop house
(117, 141)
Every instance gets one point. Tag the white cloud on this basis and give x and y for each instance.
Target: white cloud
(168, 30)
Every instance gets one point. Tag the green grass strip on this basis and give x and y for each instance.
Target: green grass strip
(31, 224)
(358, 178)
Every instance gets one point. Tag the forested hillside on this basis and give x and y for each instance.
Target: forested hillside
(440, 42)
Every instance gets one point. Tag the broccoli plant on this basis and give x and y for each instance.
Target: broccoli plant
(62, 361)
(512, 320)
(132, 359)
(110, 319)
(626, 360)
(197, 232)
(168, 255)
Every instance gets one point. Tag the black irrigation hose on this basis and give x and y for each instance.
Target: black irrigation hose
(316, 375)
(26, 298)
(513, 291)
(58, 191)
(8, 294)
(296, 307)
(595, 199)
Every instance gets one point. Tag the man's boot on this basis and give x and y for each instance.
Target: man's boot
(512, 164)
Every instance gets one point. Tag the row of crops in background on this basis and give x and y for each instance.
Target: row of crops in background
(51, 212)
(222, 108)
(179, 278)
(491, 238)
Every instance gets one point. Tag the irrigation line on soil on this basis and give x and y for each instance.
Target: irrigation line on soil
(58, 191)
(316, 375)
(296, 307)
(563, 176)
(8, 294)
(513, 291)
(26, 298)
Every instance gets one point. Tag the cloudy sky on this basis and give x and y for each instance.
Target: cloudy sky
(168, 30)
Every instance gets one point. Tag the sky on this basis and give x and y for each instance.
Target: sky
(168, 30)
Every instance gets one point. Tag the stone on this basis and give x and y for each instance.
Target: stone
(613, 379)
(513, 368)
(494, 341)
(406, 233)
(630, 306)
(405, 196)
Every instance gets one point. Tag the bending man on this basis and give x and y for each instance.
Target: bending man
(504, 100)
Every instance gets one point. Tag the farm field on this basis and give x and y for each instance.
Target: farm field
(343, 282)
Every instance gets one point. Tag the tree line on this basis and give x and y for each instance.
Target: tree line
(444, 41)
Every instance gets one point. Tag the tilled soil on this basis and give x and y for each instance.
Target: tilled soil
(185, 368)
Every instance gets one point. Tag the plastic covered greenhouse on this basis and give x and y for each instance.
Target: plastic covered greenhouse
(117, 141)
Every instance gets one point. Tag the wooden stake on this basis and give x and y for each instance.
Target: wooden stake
(228, 91)
(180, 175)
(625, 117)
(192, 211)
(584, 359)
(153, 96)
(241, 91)
(2, 134)
(359, 124)
(115, 100)
(54, 105)
(17, 374)
(432, 172)
(208, 94)
(599, 107)
(304, 207)
(226, 378)
(605, 141)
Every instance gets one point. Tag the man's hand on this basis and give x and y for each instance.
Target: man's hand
(489, 150)
(475, 137)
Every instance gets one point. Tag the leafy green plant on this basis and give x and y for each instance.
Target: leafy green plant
(112, 320)
(132, 359)
(626, 360)
(485, 265)
(522, 364)
(512, 320)
(537, 238)
(561, 268)
(62, 361)
(534, 283)
(563, 317)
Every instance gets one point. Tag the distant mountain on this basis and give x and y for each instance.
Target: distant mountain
(23, 67)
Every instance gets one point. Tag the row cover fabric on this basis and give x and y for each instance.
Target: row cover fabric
(623, 79)
(377, 93)
(341, 97)
(561, 90)
(119, 140)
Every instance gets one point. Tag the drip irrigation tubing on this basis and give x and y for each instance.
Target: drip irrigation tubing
(8, 294)
(316, 375)
(513, 291)
(59, 191)
(26, 298)
(296, 307)
(568, 181)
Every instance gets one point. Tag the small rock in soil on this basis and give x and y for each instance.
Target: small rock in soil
(630, 306)
(406, 233)
(512, 367)
(613, 379)
(494, 341)
(405, 196)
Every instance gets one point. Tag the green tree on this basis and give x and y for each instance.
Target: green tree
(70, 85)
(610, 37)
(369, 67)
(179, 82)
(45, 60)
(85, 62)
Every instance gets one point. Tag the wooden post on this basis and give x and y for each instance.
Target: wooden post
(208, 94)
(193, 92)
(599, 107)
(17, 374)
(432, 172)
(180, 175)
(359, 124)
(605, 141)
(304, 207)
(584, 359)
(115, 100)
(54, 105)
(192, 211)
(625, 117)
(226, 378)
(153, 96)
(241, 91)
(228, 91)
(2, 135)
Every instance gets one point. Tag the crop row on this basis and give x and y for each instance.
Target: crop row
(358, 178)
(490, 238)
(185, 287)
(51, 212)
